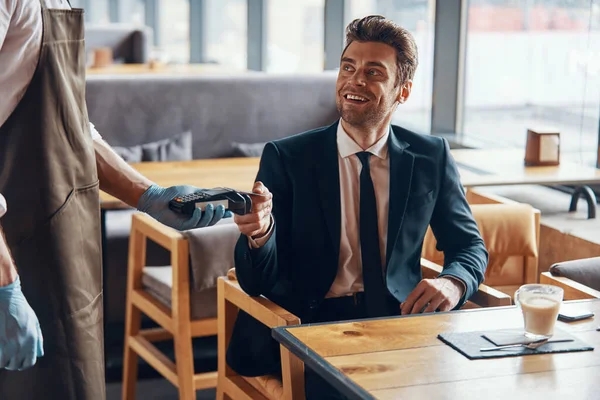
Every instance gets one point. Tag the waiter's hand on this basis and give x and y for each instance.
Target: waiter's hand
(257, 223)
(155, 202)
(432, 294)
(21, 341)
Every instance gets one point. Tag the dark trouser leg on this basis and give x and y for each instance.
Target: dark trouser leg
(317, 388)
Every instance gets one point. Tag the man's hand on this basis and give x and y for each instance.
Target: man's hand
(257, 223)
(432, 294)
(155, 202)
(21, 341)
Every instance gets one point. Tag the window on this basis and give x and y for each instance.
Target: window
(136, 12)
(533, 64)
(295, 35)
(418, 17)
(98, 10)
(174, 45)
(226, 33)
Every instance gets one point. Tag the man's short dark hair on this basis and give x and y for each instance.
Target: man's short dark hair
(376, 28)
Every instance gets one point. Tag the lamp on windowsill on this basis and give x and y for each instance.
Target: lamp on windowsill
(543, 147)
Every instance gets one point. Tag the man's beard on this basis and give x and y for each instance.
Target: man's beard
(369, 117)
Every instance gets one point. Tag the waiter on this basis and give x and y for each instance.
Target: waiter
(52, 164)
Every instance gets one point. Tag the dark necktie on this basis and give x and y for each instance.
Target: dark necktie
(375, 289)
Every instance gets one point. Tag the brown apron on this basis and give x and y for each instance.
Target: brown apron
(48, 176)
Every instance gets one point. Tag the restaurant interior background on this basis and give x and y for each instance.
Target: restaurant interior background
(523, 63)
(489, 70)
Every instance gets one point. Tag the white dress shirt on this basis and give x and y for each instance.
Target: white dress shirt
(349, 276)
(20, 42)
(2, 206)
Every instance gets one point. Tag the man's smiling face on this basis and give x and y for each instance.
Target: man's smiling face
(367, 86)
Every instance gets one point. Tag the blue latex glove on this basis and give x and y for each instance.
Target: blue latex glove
(155, 202)
(21, 341)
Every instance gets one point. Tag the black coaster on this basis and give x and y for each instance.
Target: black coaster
(470, 343)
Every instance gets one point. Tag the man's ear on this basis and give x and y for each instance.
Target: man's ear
(405, 90)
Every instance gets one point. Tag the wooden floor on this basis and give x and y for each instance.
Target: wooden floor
(155, 389)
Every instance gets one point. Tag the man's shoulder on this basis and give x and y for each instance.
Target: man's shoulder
(418, 143)
(303, 142)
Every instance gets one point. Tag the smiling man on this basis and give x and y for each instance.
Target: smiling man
(340, 232)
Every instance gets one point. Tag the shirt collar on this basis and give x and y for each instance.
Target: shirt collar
(347, 146)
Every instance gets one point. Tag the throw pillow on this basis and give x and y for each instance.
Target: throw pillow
(176, 148)
(247, 149)
(131, 154)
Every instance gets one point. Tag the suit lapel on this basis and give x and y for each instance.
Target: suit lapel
(401, 171)
(328, 178)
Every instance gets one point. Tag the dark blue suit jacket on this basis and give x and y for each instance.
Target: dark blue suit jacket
(299, 262)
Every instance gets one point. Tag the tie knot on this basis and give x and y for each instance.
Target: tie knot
(363, 156)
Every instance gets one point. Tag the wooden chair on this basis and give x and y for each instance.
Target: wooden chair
(580, 279)
(231, 299)
(573, 290)
(176, 322)
(511, 236)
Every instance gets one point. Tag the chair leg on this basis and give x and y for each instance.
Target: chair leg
(133, 318)
(185, 366)
(221, 395)
(292, 370)
(130, 358)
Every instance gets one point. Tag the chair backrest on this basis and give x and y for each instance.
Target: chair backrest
(510, 232)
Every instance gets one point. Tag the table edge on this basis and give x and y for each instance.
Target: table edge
(331, 374)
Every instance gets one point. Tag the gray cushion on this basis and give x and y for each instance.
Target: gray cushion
(176, 148)
(132, 154)
(158, 282)
(247, 149)
(585, 271)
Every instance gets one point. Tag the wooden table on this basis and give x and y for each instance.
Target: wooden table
(236, 173)
(402, 358)
(482, 167)
(506, 167)
(169, 69)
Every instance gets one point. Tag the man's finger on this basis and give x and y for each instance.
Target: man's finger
(421, 303)
(435, 302)
(260, 188)
(258, 206)
(412, 297)
(446, 305)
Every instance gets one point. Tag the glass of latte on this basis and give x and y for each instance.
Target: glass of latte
(540, 305)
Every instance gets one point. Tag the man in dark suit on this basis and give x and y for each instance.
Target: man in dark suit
(338, 232)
